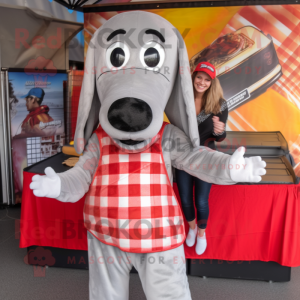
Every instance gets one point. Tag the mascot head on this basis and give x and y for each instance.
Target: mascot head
(136, 68)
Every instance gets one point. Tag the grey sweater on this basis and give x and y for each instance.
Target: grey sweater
(204, 163)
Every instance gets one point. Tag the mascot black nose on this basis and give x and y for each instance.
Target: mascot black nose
(130, 114)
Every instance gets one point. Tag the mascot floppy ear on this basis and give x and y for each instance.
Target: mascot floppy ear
(180, 108)
(89, 102)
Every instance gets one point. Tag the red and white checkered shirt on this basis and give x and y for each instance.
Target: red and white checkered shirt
(131, 203)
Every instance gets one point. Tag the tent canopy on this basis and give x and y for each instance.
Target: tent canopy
(34, 38)
(122, 5)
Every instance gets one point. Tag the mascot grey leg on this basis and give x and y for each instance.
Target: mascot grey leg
(163, 274)
(109, 269)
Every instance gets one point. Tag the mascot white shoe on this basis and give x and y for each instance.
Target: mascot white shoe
(136, 68)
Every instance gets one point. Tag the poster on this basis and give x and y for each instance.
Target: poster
(37, 119)
(39, 110)
(255, 50)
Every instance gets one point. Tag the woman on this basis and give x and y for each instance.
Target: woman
(212, 113)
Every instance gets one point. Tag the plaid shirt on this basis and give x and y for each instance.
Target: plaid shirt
(131, 203)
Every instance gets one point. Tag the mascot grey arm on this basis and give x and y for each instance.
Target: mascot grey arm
(110, 94)
(211, 166)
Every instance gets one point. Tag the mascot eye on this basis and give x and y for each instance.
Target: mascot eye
(152, 55)
(117, 55)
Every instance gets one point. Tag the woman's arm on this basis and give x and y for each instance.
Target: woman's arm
(223, 116)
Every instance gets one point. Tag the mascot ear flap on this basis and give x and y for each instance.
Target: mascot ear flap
(180, 108)
(89, 102)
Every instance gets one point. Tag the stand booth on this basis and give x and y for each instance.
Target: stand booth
(252, 229)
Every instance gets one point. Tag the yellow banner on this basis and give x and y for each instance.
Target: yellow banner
(255, 50)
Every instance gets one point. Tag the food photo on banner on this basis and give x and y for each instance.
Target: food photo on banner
(255, 50)
(37, 119)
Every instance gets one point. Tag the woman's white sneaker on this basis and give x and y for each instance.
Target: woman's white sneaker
(201, 244)
(191, 238)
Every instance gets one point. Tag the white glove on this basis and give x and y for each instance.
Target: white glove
(48, 185)
(246, 169)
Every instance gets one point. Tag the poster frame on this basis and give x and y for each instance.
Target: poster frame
(8, 195)
(6, 155)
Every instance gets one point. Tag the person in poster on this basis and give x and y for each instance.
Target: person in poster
(40, 108)
(38, 122)
(37, 113)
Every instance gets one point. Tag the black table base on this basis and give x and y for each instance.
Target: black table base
(251, 270)
(64, 258)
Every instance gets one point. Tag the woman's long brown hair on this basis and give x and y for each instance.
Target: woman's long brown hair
(211, 100)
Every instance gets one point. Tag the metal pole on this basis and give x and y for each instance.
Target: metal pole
(68, 130)
(9, 148)
(4, 148)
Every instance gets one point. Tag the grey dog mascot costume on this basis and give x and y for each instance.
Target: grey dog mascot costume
(137, 67)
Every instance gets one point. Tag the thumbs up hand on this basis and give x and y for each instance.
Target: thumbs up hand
(246, 169)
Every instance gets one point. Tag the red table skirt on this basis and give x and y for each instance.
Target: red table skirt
(48, 222)
(246, 222)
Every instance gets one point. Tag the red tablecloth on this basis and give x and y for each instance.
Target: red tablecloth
(48, 222)
(246, 222)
